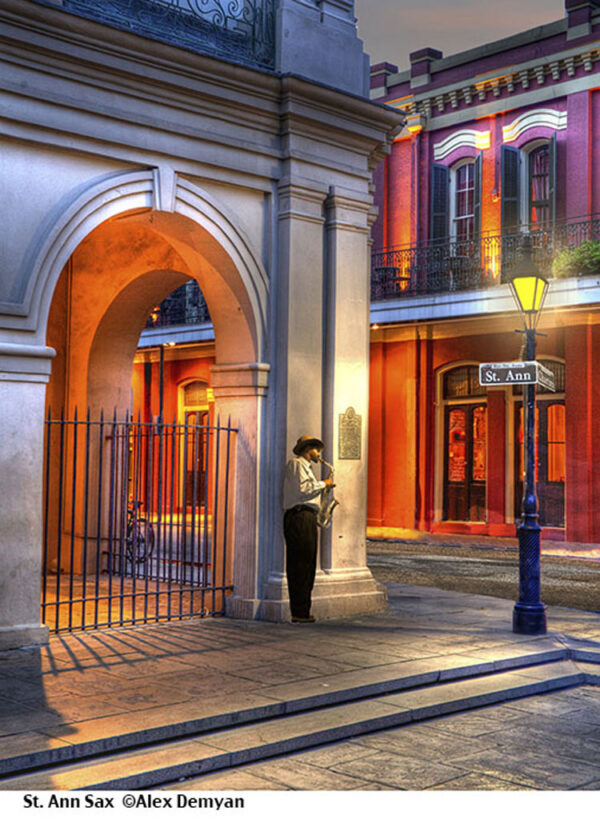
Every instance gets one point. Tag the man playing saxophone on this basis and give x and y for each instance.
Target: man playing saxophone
(301, 502)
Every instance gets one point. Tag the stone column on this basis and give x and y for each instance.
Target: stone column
(298, 357)
(24, 372)
(321, 355)
(239, 392)
(344, 584)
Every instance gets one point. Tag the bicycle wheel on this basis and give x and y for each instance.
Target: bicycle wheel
(140, 540)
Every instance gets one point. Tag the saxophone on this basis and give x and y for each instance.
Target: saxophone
(328, 501)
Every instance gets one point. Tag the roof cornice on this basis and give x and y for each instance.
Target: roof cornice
(507, 81)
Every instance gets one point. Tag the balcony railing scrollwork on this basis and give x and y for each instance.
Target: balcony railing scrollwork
(450, 265)
(239, 30)
(184, 307)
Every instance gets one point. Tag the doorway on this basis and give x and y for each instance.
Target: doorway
(465, 445)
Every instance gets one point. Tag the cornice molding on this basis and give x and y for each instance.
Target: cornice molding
(514, 81)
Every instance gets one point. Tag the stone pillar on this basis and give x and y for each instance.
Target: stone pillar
(24, 372)
(298, 356)
(344, 584)
(322, 301)
(239, 392)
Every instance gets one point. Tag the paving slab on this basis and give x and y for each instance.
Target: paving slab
(427, 743)
(537, 770)
(400, 772)
(304, 776)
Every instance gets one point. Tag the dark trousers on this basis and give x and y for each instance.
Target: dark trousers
(301, 538)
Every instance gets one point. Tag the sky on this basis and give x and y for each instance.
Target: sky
(391, 29)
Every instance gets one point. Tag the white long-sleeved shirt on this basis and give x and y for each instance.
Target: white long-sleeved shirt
(300, 486)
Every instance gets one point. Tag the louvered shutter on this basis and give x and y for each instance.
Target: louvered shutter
(511, 179)
(477, 196)
(438, 227)
(552, 177)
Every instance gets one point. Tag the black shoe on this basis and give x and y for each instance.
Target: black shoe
(309, 619)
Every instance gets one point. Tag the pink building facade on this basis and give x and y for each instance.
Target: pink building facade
(501, 153)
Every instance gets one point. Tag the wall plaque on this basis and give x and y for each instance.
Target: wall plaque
(349, 438)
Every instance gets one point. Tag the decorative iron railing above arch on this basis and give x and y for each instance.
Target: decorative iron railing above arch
(185, 306)
(239, 30)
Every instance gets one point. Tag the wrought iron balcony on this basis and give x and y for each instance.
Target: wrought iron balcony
(238, 30)
(452, 265)
(184, 307)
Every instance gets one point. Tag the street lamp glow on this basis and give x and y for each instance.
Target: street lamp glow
(529, 292)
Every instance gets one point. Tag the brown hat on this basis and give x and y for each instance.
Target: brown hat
(307, 441)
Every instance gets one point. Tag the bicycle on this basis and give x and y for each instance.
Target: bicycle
(139, 541)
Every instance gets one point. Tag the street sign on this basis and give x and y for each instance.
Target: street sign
(516, 374)
(545, 378)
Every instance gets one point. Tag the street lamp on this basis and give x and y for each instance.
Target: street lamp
(529, 614)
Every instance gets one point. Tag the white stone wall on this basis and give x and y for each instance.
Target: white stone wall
(254, 183)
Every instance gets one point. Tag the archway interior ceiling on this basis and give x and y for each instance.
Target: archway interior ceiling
(117, 274)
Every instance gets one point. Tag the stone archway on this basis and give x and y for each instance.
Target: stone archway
(118, 270)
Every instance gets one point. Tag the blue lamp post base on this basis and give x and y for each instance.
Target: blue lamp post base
(529, 619)
(529, 613)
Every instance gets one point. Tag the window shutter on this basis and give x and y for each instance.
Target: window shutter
(438, 227)
(477, 196)
(552, 177)
(511, 179)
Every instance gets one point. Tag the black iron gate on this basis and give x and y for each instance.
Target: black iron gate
(137, 521)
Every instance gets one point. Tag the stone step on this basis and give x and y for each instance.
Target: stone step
(202, 753)
(134, 729)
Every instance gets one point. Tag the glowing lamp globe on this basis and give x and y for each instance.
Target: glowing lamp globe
(529, 293)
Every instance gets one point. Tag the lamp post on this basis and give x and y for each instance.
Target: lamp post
(529, 614)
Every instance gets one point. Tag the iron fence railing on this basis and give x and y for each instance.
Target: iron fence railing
(452, 265)
(239, 30)
(136, 521)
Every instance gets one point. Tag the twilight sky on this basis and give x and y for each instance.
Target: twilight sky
(391, 29)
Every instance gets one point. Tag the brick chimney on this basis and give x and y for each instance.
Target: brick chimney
(579, 16)
(420, 66)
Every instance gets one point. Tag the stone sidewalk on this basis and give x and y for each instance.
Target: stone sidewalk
(89, 694)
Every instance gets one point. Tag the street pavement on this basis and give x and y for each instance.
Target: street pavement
(546, 742)
(570, 572)
(436, 692)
